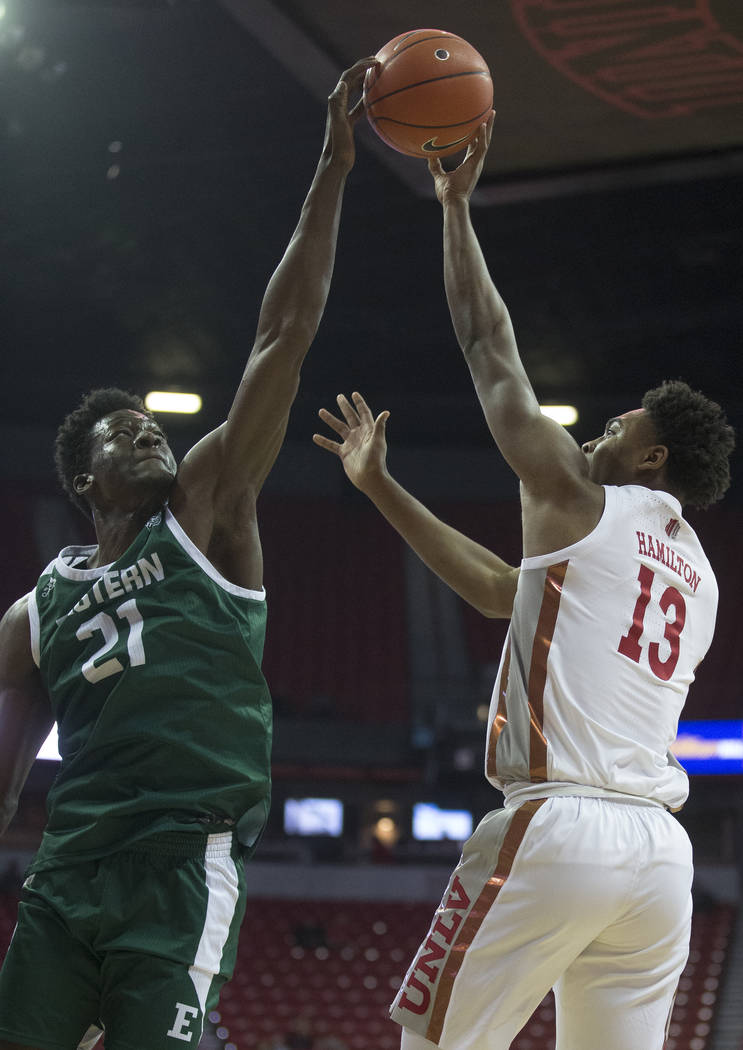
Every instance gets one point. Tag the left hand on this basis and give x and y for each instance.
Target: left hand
(363, 448)
(462, 180)
(339, 145)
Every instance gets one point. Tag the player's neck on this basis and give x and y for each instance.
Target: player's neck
(116, 531)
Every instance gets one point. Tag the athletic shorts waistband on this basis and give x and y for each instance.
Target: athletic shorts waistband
(518, 793)
(185, 844)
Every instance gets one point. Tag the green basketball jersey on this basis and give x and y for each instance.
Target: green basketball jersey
(152, 665)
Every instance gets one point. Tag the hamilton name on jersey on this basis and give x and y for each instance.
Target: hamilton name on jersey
(649, 546)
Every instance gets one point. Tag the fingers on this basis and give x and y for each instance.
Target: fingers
(362, 408)
(354, 416)
(381, 421)
(357, 71)
(357, 111)
(485, 133)
(347, 409)
(435, 166)
(352, 79)
(333, 422)
(326, 443)
(350, 82)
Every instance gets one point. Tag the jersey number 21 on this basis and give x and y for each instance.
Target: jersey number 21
(130, 614)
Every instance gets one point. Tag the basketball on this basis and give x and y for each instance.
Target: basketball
(430, 94)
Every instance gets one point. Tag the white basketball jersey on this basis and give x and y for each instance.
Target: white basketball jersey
(604, 640)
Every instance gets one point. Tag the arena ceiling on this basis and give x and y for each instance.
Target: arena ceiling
(156, 154)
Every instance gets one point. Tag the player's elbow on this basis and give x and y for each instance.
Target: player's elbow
(289, 338)
(498, 597)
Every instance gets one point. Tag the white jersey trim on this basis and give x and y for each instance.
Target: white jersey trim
(611, 499)
(66, 567)
(34, 627)
(193, 551)
(517, 793)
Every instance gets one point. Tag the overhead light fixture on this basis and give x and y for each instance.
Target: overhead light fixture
(172, 401)
(565, 415)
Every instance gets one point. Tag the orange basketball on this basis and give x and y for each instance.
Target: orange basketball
(429, 95)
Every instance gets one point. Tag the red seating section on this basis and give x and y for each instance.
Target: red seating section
(336, 599)
(344, 986)
(701, 980)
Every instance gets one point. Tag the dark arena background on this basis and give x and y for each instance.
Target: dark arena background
(155, 154)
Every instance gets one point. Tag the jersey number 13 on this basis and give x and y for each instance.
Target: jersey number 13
(629, 644)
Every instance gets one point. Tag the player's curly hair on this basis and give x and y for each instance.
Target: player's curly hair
(698, 438)
(72, 446)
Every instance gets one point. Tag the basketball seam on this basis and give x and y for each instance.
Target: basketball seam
(431, 80)
(428, 127)
(396, 54)
(414, 43)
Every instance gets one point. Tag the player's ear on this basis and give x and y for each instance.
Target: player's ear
(81, 483)
(654, 458)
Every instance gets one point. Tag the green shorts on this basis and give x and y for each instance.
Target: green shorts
(138, 943)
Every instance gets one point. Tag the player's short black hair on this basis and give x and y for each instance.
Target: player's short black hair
(73, 443)
(698, 437)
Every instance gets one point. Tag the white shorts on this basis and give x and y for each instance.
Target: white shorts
(587, 895)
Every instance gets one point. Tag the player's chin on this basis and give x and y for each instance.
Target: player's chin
(156, 465)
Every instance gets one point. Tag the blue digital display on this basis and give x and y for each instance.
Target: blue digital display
(710, 747)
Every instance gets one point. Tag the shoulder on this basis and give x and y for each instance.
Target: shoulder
(16, 616)
(551, 524)
(15, 637)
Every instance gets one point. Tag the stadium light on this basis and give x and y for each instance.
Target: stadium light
(172, 401)
(565, 415)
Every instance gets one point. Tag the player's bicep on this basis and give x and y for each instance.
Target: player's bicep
(239, 453)
(260, 408)
(539, 450)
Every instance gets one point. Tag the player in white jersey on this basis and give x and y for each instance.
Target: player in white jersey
(582, 881)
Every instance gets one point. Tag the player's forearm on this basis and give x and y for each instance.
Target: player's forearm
(477, 309)
(484, 330)
(8, 809)
(298, 290)
(473, 572)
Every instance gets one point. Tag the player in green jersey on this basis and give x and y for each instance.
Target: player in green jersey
(146, 650)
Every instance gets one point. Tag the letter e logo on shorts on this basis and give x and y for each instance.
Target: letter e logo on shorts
(183, 1017)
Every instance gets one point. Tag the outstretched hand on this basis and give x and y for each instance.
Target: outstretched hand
(461, 181)
(342, 117)
(363, 447)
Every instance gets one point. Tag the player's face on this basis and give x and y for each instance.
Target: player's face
(130, 453)
(614, 456)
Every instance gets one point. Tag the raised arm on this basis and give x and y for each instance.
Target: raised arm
(484, 580)
(239, 454)
(25, 714)
(548, 461)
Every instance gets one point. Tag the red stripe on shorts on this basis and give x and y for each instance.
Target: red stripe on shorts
(513, 839)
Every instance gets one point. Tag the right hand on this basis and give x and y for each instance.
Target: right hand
(461, 181)
(363, 448)
(342, 116)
